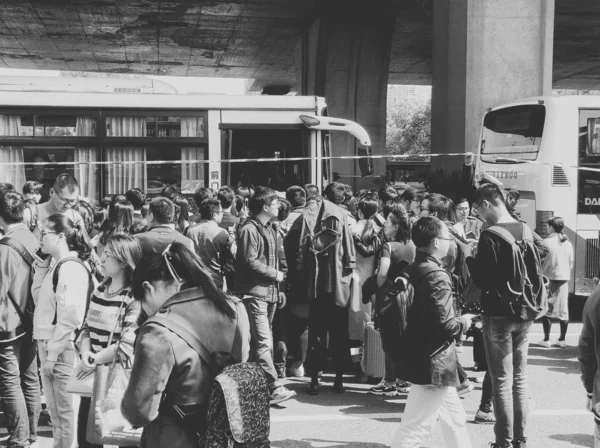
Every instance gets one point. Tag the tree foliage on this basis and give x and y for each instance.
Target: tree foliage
(409, 129)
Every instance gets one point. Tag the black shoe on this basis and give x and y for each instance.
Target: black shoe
(313, 389)
(519, 443)
(338, 387)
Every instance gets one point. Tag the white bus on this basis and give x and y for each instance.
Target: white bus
(548, 149)
(115, 134)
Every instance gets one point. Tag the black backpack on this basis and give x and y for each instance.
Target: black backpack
(524, 297)
(392, 308)
(26, 315)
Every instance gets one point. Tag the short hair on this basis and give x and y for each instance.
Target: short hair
(387, 193)
(312, 191)
(440, 205)
(335, 192)
(409, 195)
(136, 197)
(100, 215)
(65, 180)
(203, 193)
(209, 208)
(426, 229)
(368, 205)
(511, 197)
(226, 195)
(169, 192)
(296, 196)
(106, 201)
(461, 200)
(32, 187)
(12, 207)
(391, 206)
(491, 193)
(162, 210)
(244, 192)
(284, 209)
(261, 197)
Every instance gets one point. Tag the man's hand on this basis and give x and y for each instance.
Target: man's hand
(469, 158)
(280, 277)
(48, 368)
(282, 300)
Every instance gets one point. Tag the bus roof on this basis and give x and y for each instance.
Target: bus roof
(563, 101)
(135, 93)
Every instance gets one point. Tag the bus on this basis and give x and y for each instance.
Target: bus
(116, 134)
(548, 148)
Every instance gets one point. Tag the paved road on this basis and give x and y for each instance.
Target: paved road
(357, 419)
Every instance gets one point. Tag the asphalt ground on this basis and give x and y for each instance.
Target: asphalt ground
(357, 419)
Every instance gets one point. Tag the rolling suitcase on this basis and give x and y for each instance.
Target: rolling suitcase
(373, 360)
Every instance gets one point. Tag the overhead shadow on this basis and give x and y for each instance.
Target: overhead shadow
(308, 443)
(575, 439)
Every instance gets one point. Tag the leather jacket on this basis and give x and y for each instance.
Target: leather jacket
(432, 325)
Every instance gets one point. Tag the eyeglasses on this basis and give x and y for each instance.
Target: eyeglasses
(167, 256)
(462, 209)
(444, 238)
(47, 232)
(64, 201)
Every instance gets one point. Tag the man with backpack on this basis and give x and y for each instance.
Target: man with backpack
(507, 269)
(427, 343)
(19, 382)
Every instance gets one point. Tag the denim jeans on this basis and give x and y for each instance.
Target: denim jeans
(60, 403)
(20, 390)
(506, 345)
(261, 315)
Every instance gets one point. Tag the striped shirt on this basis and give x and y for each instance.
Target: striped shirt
(102, 315)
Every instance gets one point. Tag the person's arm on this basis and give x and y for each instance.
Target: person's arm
(247, 255)
(71, 299)
(384, 267)
(153, 363)
(242, 351)
(8, 270)
(41, 268)
(349, 256)
(442, 306)
(369, 249)
(587, 345)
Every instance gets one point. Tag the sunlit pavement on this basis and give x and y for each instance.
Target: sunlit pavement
(357, 419)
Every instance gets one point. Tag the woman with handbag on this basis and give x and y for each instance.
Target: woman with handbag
(60, 291)
(170, 383)
(395, 256)
(112, 312)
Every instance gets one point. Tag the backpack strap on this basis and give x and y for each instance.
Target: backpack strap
(55, 284)
(21, 250)
(507, 236)
(189, 338)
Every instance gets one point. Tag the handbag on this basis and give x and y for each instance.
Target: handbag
(81, 386)
(106, 424)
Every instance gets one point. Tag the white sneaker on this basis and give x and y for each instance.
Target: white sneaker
(296, 370)
(281, 394)
(561, 344)
(545, 344)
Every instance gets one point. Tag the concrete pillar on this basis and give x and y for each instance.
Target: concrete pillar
(346, 60)
(485, 52)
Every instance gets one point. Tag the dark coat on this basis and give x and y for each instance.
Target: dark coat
(253, 276)
(432, 326)
(323, 250)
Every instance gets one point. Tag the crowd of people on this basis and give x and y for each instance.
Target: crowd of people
(279, 276)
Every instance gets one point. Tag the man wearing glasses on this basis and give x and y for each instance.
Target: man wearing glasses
(64, 195)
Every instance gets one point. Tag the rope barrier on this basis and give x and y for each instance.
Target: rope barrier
(408, 157)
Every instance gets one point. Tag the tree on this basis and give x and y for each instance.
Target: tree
(409, 129)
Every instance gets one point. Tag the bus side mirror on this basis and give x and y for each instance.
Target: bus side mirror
(365, 163)
(592, 136)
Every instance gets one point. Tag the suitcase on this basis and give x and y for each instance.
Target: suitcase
(373, 360)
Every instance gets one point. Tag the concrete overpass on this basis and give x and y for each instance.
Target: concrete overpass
(475, 53)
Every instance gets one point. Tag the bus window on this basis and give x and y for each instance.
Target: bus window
(512, 133)
(588, 198)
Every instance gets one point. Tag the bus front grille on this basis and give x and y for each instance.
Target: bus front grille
(592, 257)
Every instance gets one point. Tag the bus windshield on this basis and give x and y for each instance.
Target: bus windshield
(512, 134)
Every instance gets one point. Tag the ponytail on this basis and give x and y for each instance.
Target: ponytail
(177, 262)
(562, 237)
(77, 239)
(558, 225)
